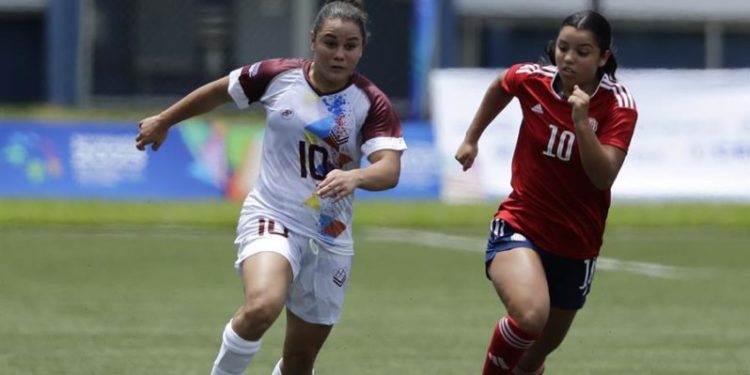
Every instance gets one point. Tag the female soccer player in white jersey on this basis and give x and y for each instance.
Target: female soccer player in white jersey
(294, 235)
(545, 237)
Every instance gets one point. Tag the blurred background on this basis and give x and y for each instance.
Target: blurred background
(94, 52)
(123, 60)
(99, 52)
(114, 261)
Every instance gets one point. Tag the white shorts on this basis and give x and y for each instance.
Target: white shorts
(320, 277)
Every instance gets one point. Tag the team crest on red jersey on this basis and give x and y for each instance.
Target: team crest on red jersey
(593, 124)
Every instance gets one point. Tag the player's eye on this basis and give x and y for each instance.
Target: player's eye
(350, 46)
(584, 52)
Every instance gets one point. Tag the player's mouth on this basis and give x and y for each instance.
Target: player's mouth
(567, 71)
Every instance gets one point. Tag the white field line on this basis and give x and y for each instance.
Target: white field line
(123, 231)
(463, 243)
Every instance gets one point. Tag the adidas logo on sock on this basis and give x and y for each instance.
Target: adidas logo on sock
(497, 361)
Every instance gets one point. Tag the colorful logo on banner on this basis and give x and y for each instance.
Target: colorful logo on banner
(34, 155)
(99, 160)
(198, 161)
(207, 147)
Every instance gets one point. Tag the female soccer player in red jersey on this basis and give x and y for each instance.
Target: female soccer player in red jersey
(545, 237)
(294, 235)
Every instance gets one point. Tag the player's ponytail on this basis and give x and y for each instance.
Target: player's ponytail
(348, 10)
(610, 67)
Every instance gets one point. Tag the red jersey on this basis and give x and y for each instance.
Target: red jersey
(553, 201)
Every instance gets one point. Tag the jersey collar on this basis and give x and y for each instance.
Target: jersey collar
(557, 90)
(306, 72)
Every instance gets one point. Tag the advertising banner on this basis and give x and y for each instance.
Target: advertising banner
(99, 160)
(200, 160)
(420, 167)
(692, 139)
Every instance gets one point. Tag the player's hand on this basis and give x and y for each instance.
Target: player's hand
(151, 131)
(466, 154)
(579, 101)
(338, 184)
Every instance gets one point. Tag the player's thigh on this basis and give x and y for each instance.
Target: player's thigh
(519, 279)
(267, 263)
(266, 276)
(514, 267)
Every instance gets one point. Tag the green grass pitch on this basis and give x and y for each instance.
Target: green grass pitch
(145, 288)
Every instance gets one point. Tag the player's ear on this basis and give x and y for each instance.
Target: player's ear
(603, 59)
(312, 40)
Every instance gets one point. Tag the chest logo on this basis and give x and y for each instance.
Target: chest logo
(538, 109)
(287, 114)
(340, 133)
(593, 124)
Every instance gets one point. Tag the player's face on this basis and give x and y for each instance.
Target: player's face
(337, 48)
(578, 57)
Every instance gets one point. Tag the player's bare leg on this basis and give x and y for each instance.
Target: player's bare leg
(554, 333)
(301, 345)
(519, 279)
(520, 282)
(266, 277)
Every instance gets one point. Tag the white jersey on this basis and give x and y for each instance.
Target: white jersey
(309, 134)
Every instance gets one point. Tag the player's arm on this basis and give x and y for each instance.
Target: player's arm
(495, 100)
(381, 174)
(153, 130)
(601, 162)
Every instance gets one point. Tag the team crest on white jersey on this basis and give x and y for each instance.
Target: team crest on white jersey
(340, 133)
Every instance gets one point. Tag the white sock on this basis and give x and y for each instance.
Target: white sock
(235, 353)
(277, 369)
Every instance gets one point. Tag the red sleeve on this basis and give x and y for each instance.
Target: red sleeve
(513, 79)
(255, 78)
(381, 120)
(618, 131)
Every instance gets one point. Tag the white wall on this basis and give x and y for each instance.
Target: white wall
(723, 10)
(692, 139)
(22, 5)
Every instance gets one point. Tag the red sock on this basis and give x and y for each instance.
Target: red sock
(539, 371)
(508, 343)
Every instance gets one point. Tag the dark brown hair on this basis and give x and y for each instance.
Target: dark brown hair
(348, 10)
(597, 25)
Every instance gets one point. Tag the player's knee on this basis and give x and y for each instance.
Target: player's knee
(533, 318)
(260, 314)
